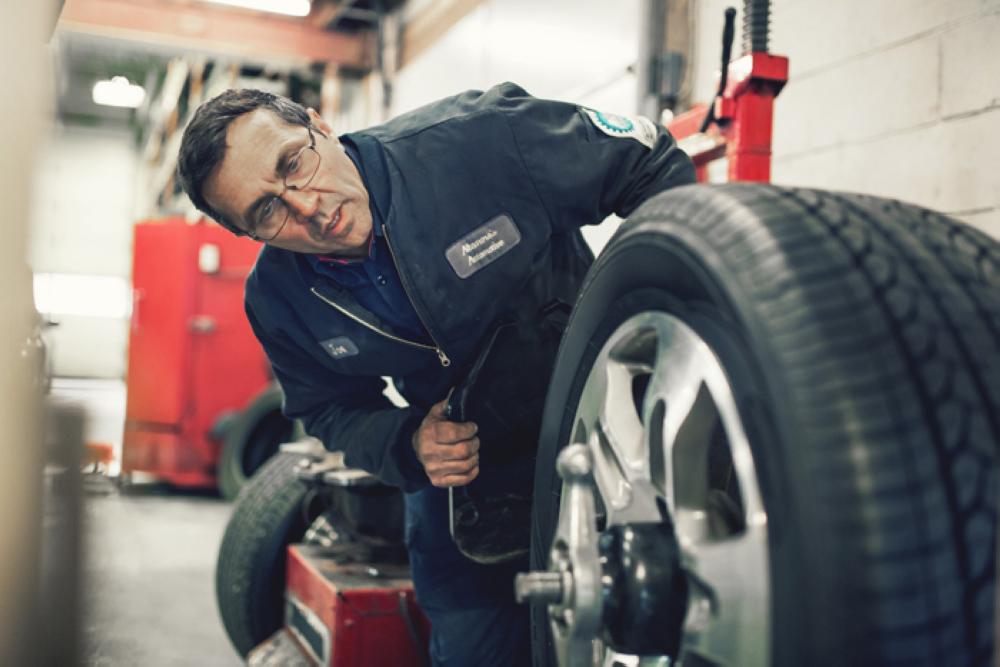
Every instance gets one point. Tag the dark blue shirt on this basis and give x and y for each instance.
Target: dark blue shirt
(374, 282)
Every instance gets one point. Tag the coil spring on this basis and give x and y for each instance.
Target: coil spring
(756, 25)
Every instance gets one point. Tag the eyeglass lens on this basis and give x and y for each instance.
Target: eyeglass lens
(301, 170)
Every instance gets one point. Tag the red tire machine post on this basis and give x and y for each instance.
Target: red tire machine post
(739, 122)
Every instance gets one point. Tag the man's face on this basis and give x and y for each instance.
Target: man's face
(330, 216)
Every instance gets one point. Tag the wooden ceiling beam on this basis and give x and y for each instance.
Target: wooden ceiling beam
(202, 27)
(326, 12)
(323, 12)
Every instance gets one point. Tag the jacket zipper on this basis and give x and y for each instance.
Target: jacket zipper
(374, 328)
(442, 357)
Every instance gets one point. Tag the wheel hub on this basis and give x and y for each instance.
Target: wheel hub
(625, 584)
(645, 589)
(660, 546)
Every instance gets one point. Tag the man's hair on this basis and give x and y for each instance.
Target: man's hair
(203, 145)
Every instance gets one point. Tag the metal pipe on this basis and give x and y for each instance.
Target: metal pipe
(652, 37)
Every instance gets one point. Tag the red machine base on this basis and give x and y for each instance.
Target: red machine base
(339, 614)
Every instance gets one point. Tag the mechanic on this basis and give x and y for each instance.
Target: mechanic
(392, 251)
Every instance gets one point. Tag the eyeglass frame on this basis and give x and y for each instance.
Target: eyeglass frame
(311, 146)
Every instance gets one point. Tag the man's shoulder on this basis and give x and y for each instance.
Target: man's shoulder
(456, 107)
(273, 273)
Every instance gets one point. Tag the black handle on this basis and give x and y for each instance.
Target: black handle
(728, 34)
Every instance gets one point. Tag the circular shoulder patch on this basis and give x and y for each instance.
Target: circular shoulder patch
(615, 125)
(614, 122)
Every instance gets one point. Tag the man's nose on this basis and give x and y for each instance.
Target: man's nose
(303, 203)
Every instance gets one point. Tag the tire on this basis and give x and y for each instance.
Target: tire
(252, 439)
(858, 342)
(273, 510)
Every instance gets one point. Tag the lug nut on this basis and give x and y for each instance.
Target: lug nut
(544, 587)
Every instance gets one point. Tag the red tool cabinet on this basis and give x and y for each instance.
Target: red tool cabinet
(192, 356)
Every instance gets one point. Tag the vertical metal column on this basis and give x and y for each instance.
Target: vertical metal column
(652, 30)
(664, 46)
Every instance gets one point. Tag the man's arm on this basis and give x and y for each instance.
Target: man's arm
(585, 164)
(349, 414)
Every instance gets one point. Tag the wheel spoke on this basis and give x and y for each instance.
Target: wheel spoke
(673, 394)
(619, 444)
(611, 484)
(727, 620)
(621, 425)
(607, 413)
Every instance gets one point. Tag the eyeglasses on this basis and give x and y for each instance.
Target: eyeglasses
(299, 171)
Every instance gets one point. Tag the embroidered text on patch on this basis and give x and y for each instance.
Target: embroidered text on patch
(485, 244)
(340, 347)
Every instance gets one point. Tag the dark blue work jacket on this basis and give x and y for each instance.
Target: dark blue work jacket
(482, 196)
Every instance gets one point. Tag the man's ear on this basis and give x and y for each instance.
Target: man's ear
(318, 121)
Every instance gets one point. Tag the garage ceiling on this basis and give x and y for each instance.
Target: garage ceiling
(98, 39)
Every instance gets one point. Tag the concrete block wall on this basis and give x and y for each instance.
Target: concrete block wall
(899, 98)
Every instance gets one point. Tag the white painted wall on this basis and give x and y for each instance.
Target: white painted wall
(575, 50)
(563, 49)
(81, 225)
(899, 98)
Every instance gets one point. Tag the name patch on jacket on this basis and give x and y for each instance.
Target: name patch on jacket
(340, 347)
(639, 128)
(485, 245)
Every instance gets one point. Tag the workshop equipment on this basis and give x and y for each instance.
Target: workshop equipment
(334, 536)
(341, 612)
(738, 124)
(192, 355)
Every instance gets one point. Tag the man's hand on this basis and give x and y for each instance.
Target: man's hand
(449, 451)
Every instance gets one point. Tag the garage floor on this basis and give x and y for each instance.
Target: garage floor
(148, 581)
(149, 561)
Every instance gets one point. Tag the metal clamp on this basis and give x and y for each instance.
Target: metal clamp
(572, 585)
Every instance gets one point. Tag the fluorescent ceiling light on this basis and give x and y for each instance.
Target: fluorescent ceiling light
(118, 92)
(287, 7)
